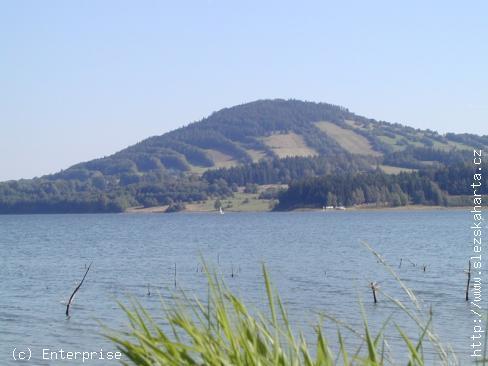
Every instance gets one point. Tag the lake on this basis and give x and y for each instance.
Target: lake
(315, 259)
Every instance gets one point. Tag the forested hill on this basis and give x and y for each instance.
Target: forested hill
(263, 142)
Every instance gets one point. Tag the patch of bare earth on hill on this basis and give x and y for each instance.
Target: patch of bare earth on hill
(348, 139)
(289, 144)
(220, 159)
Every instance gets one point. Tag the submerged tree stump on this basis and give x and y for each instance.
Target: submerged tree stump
(374, 287)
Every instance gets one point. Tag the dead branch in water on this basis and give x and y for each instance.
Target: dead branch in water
(374, 287)
(175, 274)
(76, 290)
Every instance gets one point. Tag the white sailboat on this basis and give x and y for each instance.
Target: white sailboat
(221, 211)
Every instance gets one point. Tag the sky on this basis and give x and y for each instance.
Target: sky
(83, 79)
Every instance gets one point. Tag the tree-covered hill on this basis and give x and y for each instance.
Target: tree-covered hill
(263, 142)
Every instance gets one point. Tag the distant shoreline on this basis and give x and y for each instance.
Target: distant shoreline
(194, 209)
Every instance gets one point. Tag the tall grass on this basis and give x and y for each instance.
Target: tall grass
(223, 331)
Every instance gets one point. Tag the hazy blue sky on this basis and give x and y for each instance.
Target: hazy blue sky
(82, 79)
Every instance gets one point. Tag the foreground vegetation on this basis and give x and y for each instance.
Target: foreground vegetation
(224, 331)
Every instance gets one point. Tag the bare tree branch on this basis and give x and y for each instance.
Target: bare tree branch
(76, 290)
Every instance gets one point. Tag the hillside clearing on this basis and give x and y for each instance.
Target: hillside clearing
(395, 170)
(220, 159)
(348, 139)
(256, 155)
(289, 144)
(240, 202)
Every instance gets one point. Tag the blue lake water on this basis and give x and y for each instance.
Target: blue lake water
(315, 259)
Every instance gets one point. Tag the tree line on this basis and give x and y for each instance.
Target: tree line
(429, 187)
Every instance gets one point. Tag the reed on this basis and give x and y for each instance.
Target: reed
(225, 332)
